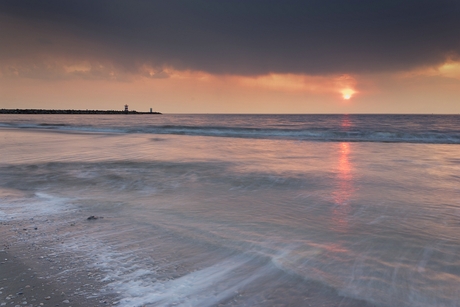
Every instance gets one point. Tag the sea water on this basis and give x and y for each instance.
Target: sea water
(244, 210)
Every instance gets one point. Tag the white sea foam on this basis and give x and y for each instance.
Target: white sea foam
(205, 287)
(140, 284)
(40, 205)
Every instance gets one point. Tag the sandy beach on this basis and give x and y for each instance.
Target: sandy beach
(33, 274)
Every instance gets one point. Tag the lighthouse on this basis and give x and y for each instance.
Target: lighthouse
(126, 108)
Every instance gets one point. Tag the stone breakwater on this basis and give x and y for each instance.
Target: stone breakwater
(47, 111)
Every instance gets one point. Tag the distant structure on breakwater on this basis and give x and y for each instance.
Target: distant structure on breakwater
(48, 111)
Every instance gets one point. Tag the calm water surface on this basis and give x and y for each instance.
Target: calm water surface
(247, 210)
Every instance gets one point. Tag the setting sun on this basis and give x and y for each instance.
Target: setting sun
(347, 93)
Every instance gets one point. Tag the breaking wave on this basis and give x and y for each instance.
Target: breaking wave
(327, 135)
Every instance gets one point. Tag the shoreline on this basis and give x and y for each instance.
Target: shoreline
(36, 271)
(70, 111)
(35, 274)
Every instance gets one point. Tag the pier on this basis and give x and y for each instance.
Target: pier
(53, 111)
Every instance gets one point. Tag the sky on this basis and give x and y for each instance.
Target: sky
(232, 56)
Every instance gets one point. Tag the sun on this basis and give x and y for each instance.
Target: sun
(347, 93)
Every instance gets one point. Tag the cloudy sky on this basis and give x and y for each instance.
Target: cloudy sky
(233, 56)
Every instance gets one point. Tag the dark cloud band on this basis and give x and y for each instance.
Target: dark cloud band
(251, 37)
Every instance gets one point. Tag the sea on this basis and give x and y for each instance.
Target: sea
(241, 210)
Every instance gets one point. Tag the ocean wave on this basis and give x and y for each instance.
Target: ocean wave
(310, 134)
(300, 134)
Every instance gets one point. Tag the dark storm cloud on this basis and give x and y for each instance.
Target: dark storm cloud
(251, 37)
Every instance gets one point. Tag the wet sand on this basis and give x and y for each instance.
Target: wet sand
(32, 276)
(32, 281)
(34, 272)
(21, 285)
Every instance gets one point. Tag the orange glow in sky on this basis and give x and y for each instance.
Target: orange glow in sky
(448, 69)
(343, 84)
(347, 93)
(67, 83)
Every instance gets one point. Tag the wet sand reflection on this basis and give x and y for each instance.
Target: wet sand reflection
(344, 190)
